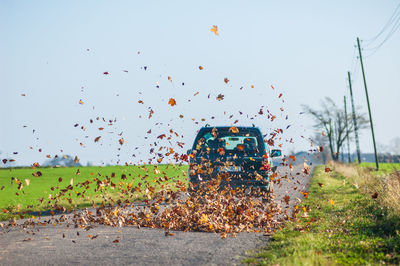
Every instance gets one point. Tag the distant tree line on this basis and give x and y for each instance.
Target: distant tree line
(64, 160)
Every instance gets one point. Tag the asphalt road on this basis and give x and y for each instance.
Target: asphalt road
(62, 245)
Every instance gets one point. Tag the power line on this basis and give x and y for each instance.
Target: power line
(390, 21)
(391, 27)
(394, 29)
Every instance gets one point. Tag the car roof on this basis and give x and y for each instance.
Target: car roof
(228, 127)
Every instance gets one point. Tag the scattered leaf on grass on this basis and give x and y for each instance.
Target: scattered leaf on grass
(327, 169)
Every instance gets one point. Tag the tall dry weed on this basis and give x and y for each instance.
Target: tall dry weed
(385, 189)
(391, 196)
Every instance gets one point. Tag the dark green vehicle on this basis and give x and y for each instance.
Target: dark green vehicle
(237, 154)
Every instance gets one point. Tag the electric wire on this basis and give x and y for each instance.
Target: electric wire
(391, 27)
(376, 48)
(388, 23)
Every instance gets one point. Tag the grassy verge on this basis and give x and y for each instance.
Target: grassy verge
(29, 190)
(337, 224)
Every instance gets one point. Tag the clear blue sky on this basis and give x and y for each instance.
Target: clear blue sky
(55, 52)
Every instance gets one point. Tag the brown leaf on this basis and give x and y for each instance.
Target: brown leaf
(286, 199)
(327, 169)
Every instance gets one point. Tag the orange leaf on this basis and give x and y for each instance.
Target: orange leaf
(214, 29)
(172, 102)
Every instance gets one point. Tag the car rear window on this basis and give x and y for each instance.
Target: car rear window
(230, 140)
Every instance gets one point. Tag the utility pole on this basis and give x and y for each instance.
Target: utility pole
(354, 120)
(347, 131)
(369, 108)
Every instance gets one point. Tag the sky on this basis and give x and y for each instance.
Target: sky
(55, 53)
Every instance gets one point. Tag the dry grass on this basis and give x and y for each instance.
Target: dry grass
(384, 188)
(391, 194)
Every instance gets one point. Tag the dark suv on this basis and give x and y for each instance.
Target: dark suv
(236, 154)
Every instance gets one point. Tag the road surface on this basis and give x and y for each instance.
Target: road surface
(61, 245)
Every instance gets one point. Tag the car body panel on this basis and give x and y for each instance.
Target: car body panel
(247, 168)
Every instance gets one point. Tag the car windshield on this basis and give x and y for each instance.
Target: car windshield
(229, 140)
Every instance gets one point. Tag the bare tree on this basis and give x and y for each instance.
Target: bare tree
(333, 121)
(322, 142)
(394, 147)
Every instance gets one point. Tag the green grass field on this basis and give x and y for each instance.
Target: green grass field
(337, 224)
(14, 198)
(384, 168)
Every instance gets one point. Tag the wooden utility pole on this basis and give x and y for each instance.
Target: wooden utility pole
(354, 120)
(347, 131)
(369, 108)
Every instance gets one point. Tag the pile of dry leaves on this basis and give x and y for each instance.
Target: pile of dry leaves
(209, 209)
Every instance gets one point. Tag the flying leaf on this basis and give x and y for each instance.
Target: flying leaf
(220, 97)
(161, 136)
(214, 29)
(172, 102)
(226, 80)
(97, 139)
(234, 129)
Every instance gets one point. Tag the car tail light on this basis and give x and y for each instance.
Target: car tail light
(266, 166)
